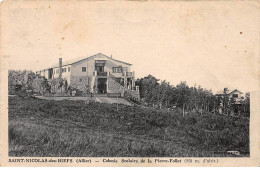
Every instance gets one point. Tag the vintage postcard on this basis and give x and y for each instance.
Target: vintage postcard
(129, 83)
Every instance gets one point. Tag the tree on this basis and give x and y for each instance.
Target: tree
(148, 87)
(246, 104)
(20, 80)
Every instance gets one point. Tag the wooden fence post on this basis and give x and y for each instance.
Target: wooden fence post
(183, 113)
(117, 103)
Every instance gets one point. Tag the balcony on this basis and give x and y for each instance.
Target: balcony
(122, 74)
(117, 74)
(127, 74)
(96, 73)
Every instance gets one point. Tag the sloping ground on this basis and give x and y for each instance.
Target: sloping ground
(100, 99)
(64, 98)
(76, 128)
(113, 100)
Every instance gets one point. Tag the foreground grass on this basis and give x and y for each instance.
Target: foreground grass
(73, 128)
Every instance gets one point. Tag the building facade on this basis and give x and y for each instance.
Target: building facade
(234, 94)
(98, 74)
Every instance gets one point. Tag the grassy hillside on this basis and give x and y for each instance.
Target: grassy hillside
(72, 128)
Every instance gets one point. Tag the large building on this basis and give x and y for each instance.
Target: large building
(97, 74)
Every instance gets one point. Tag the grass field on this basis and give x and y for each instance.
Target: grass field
(73, 128)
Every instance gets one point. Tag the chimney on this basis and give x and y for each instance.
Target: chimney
(60, 64)
(225, 90)
(111, 56)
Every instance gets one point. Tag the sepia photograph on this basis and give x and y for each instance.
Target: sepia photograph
(96, 107)
(126, 79)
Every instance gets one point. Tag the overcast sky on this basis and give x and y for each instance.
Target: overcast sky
(212, 44)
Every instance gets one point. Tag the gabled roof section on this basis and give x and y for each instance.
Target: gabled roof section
(98, 55)
(74, 61)
(235, 91)
(229, 91)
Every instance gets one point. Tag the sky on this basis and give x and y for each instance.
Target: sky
(207, 43)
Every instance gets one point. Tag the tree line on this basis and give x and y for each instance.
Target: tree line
(24, 81)
(192, 98)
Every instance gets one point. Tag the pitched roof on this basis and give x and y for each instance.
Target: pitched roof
(70, 62)
(229, 91)
(235, 90)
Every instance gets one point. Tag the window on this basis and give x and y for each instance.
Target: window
(63, 70)
(235, 95)
(57, 71)
(53, 71)
(99, 68)
(68, 69)
(99, 65)
(117, 69)
(84, 69)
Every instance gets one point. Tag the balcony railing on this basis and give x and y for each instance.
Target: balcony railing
(127, 74)
(96, 73)
(102, 73)
(130, 74)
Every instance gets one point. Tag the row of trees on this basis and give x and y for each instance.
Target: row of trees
(162, 94)
(28, 81)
